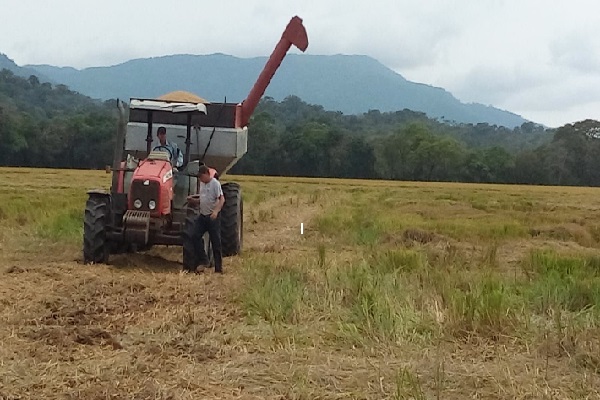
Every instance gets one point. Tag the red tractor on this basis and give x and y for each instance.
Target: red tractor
(146, 204)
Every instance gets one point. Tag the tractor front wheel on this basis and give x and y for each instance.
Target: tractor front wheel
(232, 220)
(95, 244)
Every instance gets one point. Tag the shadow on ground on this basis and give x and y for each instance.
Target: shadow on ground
(146, 261)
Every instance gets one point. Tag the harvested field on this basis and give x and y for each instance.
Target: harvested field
(396, 290)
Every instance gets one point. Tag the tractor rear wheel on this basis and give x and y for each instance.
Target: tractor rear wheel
(232, 220)
(95, 244)
(190, 262)
(208, 251)
(189, 254)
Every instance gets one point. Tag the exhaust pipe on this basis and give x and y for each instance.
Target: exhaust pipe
(119, 144)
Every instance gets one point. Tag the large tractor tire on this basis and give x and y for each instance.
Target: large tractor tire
(208, 250)
(189, 255)
(232, 220)
(96, 248)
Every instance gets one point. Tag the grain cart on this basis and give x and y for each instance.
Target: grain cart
(146, 204)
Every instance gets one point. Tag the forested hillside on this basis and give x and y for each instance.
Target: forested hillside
(352, 84)
(46, 125)
(50, 126)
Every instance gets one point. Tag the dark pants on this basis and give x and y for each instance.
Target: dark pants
(202, 225)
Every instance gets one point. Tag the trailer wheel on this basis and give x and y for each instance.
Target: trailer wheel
(232, 220)
(95, 244)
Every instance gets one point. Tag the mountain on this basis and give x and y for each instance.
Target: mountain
(24, 72)
(347, 83)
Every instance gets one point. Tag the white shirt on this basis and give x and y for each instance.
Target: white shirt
(209, 194)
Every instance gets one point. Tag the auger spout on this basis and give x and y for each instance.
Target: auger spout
(294, 34)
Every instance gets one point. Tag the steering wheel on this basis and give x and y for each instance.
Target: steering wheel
(161, 148)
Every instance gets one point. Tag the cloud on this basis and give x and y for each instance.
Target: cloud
(550, 94)
(575, 113)
(524, 56)
(538, 61)
(577, 51)
(492, 84)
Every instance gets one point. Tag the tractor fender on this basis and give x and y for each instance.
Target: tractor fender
(98, 192)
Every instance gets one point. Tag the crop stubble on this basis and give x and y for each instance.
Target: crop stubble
(395, 290)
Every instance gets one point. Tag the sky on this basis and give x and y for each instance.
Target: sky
(537, 58)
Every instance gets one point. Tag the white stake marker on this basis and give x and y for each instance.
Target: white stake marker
(302, 228)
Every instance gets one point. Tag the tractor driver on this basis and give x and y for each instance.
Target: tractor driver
(211, 201)
(175, 155)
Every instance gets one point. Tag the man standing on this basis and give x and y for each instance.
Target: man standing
(175, 155)
(211, 201)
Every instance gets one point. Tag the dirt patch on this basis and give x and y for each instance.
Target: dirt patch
(15, 269)
(281, 232)
(565, 232)
(157, 259)
(96, 336)
(181, 347)
(412, 236)
(588, 361)
(419, 235)
(87, 302)
(66, 336)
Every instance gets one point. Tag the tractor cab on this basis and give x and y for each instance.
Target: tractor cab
(148, 177)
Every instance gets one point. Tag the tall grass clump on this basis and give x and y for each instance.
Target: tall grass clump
(273, 291)
(49, 214)
(353, 225)
(371, 302)
(365, 226)
(483, 227)
(571, 283)
(483, 305)
(408, 386)
(333, 223)
(18, 210)
(321, 256)
(402, 260)
(62, 225)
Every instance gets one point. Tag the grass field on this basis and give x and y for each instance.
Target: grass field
(396, 290)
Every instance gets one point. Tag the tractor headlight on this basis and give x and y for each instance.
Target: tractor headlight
(137, 203)
(152, 204)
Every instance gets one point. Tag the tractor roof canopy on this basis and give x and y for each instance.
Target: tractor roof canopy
(167, 106)
(171, 112)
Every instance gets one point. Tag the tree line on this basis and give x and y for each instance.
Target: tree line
(295, 138)
(47, 125)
